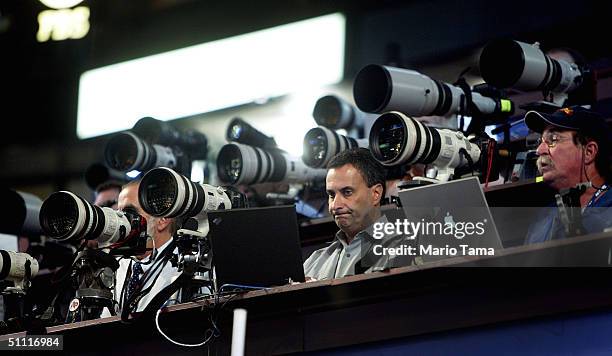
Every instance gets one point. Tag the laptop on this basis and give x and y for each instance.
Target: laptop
(452, 215)
(257, 247)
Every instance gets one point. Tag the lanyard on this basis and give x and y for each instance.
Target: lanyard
(599, 192)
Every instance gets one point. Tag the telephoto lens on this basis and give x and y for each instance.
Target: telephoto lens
(242, 132)
(242, 164)
(162, 133)
(513, 64)
(20, 213)
(165, 193)
(126, 152)
(399, 139)
(66, 217)
(321, 144)
(336, 113)
(378, 89)
(14, 266)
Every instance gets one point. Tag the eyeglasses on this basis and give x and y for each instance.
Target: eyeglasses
(551, 139)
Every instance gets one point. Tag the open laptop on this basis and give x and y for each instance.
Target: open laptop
(256, 247)
(459, 203)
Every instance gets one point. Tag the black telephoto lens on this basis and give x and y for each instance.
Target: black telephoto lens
(240, 131)
(162, 133)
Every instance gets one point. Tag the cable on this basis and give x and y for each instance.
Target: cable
(583, 169)
(155, 270)
(229, 299)
(65, 267)
(131, 304)
(211, 296)
(490, 153)
(241, 286)
(59, 277)
(463, 152)
(212, 333)
(132, 301)
(214, 330)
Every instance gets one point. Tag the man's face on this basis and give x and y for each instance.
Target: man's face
(352, 204)
(560, 165)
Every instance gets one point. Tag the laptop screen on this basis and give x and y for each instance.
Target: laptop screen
(257, 247)
(450, 215)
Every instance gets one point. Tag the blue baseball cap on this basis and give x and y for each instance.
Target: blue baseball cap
(575, 118)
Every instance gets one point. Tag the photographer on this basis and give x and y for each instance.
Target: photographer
(573, 149)
(355, 184)
(150, 272)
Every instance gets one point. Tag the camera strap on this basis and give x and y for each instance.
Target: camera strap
(131, 303)
(468, 108)
(160, 298)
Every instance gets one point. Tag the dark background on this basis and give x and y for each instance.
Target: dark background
(39, 81)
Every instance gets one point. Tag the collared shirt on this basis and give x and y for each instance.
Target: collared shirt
(340, 259)
(595, 218)
(167, 275)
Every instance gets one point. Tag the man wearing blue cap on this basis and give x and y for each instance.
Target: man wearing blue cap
(574, 149)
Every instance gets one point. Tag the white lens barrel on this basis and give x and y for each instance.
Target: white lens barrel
(242, 164)
(127, 143)
(534, 69)
(215, 198)
(65, 216)
(395, 138)
(113, 231)
(84, 219)
(165, 193)
(398, 139)
(413, 93)
(321, 144)
(513, 64)
(13, 265)
(188, 199)
(298, 172)
(257, 165)
(452, 143)
(570, 73)
(382, 89)
(126, 152)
